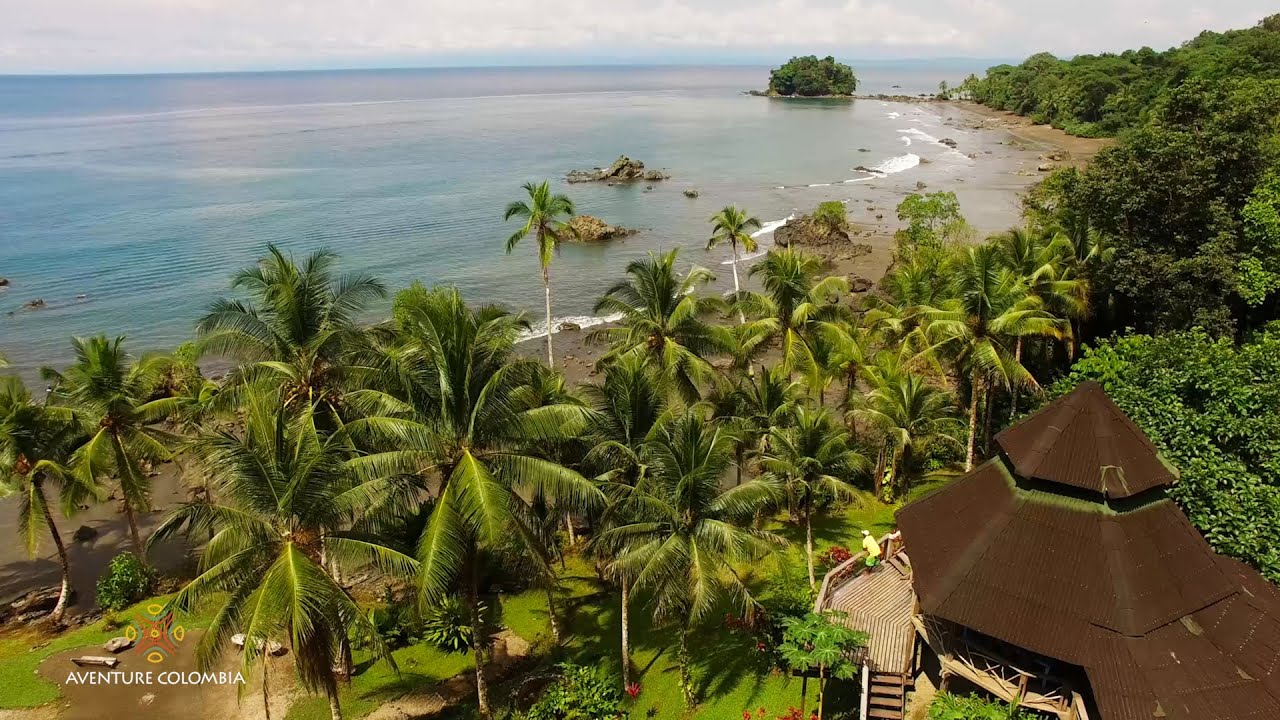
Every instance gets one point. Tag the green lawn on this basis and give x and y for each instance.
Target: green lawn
(22, 687)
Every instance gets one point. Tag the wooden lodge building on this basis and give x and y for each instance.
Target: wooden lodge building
(1058, 574)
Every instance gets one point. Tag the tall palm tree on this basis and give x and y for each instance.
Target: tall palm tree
(685, 533)
(35, 445)
(109, 392)
(814, 461)
(909, 410)
(795, 300)
(545, 216)
(663, 319)
(974, 328)
(734, 226)
(287, 500)
(470, 420)
(628, 405)
(295, 332)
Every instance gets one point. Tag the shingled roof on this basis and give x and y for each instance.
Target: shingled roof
(1083, 440)
(1162, 626)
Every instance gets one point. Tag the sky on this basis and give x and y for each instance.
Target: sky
(89, 36)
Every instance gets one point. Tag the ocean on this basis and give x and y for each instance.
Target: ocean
(127, 202)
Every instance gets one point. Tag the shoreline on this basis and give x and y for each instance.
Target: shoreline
(996, 187)
(577, 358)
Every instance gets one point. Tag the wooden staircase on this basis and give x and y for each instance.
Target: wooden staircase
(887, 696)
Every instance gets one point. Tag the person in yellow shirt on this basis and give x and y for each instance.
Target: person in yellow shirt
(872, 547)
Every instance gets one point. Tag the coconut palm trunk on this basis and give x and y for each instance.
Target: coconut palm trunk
(737, 289)
(808, 543)
(135, 538)
(1013, 403)
(477, 643)
(65, 593)
(972, 452)
(546, 288)
(266, 695)
(686, 673)
(335, 707)
(551, 612)
(626, 634)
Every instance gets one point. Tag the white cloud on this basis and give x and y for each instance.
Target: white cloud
(110, 35)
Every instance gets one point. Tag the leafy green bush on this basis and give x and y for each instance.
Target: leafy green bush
(583, 692)
(946, 706)
(125, 582)
(448, 625)
(808, 76)
(397, 625)
(830, 216)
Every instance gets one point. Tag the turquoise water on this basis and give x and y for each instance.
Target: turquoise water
(127, 202)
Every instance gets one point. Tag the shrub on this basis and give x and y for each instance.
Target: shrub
(448, 625)
(583, 692)
(830, 216)
(836, 555)
(971, 707)
(397, 625)
(125, 582)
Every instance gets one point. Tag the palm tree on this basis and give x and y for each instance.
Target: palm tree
(757, 404)
(628, 405)
(991, 307)
(542, 214)
(470, 418)
(109, 392)
(734, 226)
(288, 499)
(1044, 261)
(295, 333)
(814, 461)
(685, 533)
(850, 353)
(794, 302)
(663, 320)
(909, 410)
(921, 280)
(35, 444)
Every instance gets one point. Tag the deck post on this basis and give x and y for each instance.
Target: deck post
(865, 704)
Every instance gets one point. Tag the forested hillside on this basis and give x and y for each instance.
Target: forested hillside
(1187, 202)
(1100, 95)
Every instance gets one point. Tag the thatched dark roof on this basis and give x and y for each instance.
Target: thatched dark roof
(1083, 440)
(1162, 626)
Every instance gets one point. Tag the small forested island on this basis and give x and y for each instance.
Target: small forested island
(809, 76)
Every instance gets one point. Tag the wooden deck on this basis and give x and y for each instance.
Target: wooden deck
(880, 603)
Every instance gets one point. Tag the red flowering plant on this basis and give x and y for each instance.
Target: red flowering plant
(836, 555)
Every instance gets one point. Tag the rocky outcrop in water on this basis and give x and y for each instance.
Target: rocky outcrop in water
(803, 232)
(593, 229)
(624, 169)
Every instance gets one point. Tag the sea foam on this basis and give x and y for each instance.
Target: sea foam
(539, 329)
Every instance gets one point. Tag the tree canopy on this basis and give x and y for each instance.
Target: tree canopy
(809, 76)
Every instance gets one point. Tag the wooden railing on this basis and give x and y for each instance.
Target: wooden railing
(999, 676)
(841, 574)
